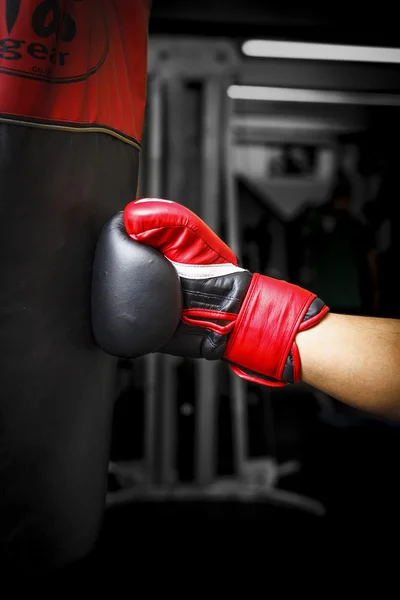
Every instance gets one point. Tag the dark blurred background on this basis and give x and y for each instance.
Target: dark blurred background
(304, 187)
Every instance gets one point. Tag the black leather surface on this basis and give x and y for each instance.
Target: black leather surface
(136, 294)
(224, 294)
(56, 386)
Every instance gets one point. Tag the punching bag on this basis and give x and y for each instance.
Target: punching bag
(72, 97)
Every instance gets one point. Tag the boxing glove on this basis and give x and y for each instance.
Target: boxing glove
(249, 320)
(136, 299)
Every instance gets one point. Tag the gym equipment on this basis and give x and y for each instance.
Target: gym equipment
(186, 76)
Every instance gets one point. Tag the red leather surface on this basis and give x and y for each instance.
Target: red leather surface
(68, 62)
(267, 325)
(176, 232)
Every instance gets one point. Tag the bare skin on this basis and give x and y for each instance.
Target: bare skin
(355, 360)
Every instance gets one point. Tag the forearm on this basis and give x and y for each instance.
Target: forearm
(355, 360)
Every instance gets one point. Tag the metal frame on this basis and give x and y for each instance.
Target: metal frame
(215, 65)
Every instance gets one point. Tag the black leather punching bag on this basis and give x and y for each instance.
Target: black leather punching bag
(72, 98)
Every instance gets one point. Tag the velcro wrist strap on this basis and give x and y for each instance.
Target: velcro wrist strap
(267, 324)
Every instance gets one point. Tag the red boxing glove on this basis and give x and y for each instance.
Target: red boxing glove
(249, 320)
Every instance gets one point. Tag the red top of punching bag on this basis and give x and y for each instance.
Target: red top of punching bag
(75, 64)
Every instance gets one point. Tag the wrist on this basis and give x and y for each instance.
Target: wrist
(310, 343)
(263, 339)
